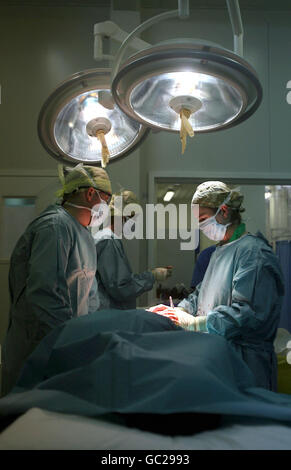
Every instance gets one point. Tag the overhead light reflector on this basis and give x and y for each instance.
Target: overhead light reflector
(223, 84)
(74, 126)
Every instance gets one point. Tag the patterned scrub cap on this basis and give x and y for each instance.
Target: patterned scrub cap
(214, 193)
(83, 176)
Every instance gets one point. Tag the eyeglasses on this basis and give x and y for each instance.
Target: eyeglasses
(107, 197)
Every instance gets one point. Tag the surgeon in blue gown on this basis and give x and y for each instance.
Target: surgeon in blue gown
(241, 294)
(118, 286)
(52, 268)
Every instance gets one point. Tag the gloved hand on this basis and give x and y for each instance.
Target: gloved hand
(185, 320)
(180, 317)
(189, 322)
(165, 311)
(161, 274)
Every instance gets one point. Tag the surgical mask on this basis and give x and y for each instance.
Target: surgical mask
(212, 229)
(99, 212)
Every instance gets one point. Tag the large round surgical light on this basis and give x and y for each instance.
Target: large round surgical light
(74, 126)
(218, 88)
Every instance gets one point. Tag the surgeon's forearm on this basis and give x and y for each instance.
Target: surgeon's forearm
(232, 321)
(131, 287)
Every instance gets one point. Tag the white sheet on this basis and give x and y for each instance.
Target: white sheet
(43, 430)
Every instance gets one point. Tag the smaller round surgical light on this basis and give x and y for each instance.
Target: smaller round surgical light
(80, 122)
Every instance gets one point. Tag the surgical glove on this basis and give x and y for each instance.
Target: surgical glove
(161, 274)
(165, 311)
(189, 322)
(181, 317)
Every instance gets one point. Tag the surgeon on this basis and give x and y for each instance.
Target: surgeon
(118, 286)
(241, 294)
(53, 266)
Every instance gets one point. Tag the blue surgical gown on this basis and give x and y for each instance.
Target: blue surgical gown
(201, 265)
(118, 287)
(51, 280)
(241, 295)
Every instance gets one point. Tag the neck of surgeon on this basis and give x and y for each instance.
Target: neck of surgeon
(232, 219)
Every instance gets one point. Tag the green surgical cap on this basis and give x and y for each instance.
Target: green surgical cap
(128, 197)
(214, 193)
(83, 176)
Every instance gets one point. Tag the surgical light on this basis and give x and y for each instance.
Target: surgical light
(218, 87)
(79, 122)
(187, 85)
